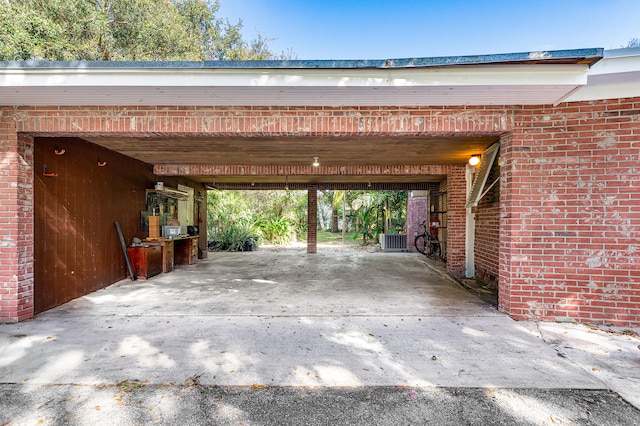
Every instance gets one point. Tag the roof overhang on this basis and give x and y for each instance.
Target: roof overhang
(616, 76)
(534, 78)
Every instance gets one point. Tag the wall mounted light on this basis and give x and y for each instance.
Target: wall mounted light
(474, 160)
(316, 162)
(58, 150)
(101, 163)
(369, 184)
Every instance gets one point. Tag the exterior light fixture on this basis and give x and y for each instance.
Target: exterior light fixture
(316, 162)
(474, 160)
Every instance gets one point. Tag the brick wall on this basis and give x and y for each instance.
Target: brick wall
(16, 222)
(570, 213)
(263, 121)
(487, 241)
(456, 220)
(312, 218)
(416, 214)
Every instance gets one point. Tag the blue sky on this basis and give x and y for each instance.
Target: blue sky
(380, 29)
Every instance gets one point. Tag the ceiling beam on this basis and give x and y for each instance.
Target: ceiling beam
(279, 170)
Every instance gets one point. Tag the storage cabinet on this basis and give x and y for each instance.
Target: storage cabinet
(186, 250)
(146, 260)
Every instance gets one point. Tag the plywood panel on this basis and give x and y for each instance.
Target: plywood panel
(76, 247)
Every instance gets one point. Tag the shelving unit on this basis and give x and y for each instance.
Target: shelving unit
(438, 208)
(163, 204)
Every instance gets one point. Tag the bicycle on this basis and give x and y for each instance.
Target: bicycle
(427, 244)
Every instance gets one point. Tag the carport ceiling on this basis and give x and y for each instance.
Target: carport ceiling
(299, 151)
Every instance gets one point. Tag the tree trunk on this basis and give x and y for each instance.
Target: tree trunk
(386, 216)
(334, 220)
(344, 217)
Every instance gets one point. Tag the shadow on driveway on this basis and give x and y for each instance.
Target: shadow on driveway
(240, 324)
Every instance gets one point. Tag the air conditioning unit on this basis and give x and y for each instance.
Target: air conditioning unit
(393, 242)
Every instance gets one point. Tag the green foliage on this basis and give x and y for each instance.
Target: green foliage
(279, 217)
(634, 42)
(377, 212)
(276, 230)
(369, 213)
(230, 223)
(122, 30)
(366, 217)
(276, 217)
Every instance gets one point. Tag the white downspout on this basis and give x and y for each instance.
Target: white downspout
(470, 229)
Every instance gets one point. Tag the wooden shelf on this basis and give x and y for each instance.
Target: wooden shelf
(166, 194)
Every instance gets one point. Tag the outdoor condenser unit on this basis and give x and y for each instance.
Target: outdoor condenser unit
(393, 242)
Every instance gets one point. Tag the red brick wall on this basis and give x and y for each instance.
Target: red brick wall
(456, 220)
(570, 213)
(263, 121)
(416, 214)
(487, 241)
(16, 223)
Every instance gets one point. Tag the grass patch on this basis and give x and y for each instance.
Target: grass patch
(330, 238)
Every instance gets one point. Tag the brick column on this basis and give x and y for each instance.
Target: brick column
(416, 214)
(456, 220)
(312, 218)
(16, 222)
(509, 260)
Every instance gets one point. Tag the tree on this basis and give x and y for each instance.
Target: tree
(69, 30)
(377, 212)
(634, 42)
(335, 200)
(271, 216)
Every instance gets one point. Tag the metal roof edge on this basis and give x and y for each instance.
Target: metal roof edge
(577, 56)
(622, 52)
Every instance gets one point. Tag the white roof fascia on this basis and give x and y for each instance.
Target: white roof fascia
(447, 76)
(473, 85)
(615, 76)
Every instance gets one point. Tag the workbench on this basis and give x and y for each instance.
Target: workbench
(158, 255)
(181, 250)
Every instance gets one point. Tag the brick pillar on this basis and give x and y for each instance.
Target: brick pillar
(416, 214)
(456, 220)
(508, 235)
(312, 218)
(16, 222)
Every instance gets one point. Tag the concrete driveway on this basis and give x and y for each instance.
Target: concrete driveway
(267, 321)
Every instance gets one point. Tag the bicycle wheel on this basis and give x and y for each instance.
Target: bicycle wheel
(429, 248)
(421, 243)
(435, 249)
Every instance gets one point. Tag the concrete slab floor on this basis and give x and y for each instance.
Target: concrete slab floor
(331, 320)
